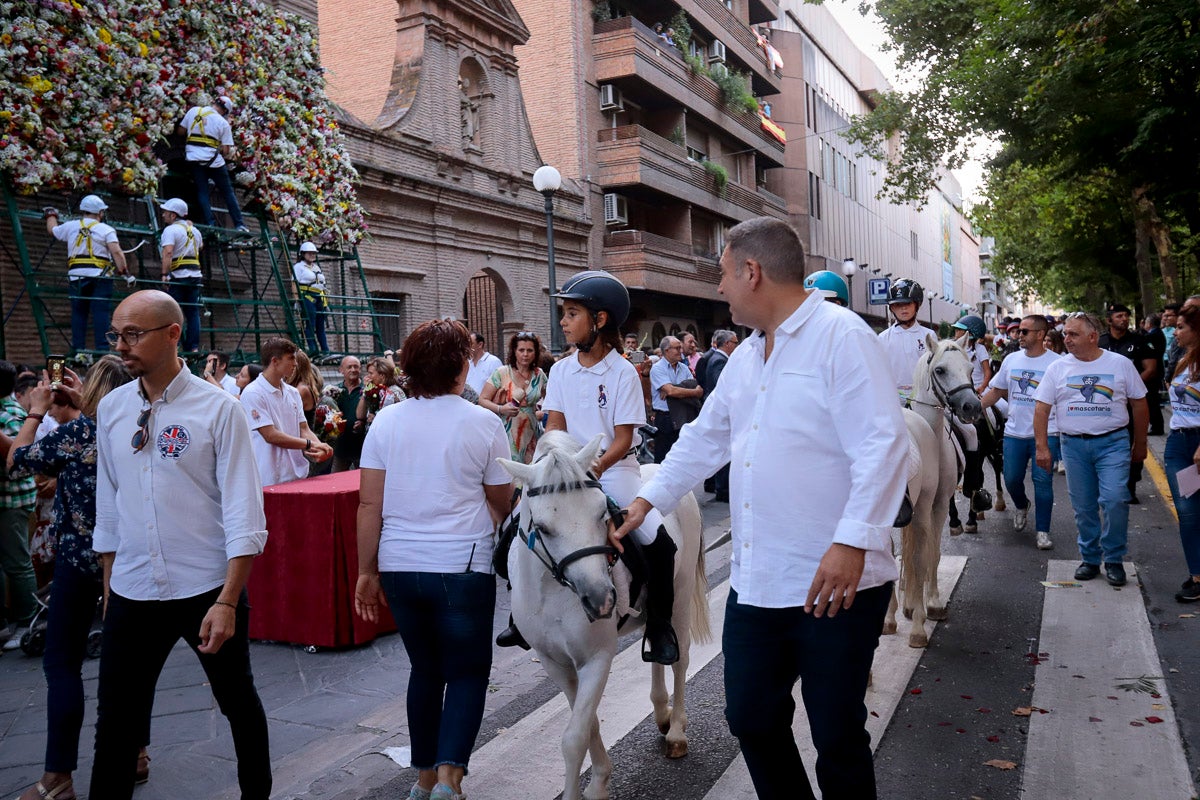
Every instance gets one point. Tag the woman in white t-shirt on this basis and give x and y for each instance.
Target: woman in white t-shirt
(431, 491)
(597, 391)
(1183, 445)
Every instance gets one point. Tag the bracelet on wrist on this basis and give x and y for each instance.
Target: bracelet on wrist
(223, 603)
(38, 417)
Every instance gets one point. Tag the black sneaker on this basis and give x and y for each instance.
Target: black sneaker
(1187, 582)
(1190, 592)
(1114, 573)
(1086, 571)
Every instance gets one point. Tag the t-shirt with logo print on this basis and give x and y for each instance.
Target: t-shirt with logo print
(594, 400)
(1185, 400)
(1089, 397)
(1021, 376)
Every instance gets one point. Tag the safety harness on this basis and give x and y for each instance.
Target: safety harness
(190, 260)
(311, 291)
(89, 259)
(196, 134)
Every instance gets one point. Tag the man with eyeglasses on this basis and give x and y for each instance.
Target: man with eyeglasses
(179, 520)
(1017, 381)
(1087, 390)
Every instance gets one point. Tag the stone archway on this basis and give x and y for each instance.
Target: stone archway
(483, 307)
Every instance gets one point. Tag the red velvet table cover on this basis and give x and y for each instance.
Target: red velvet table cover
(302, 585)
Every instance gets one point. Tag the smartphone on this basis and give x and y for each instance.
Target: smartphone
(55, 368)
(637, 357)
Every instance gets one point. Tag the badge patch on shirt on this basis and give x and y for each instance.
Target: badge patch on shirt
(173, 441)
(602, 398)
(254, 414)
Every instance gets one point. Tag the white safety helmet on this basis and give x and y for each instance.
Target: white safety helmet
(175, 206)
(225, 102)
(92, 205)
(308, 247)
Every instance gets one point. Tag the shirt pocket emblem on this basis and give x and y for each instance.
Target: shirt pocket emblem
(173, 441)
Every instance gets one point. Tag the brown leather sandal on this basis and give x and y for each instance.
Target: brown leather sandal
(63, 791)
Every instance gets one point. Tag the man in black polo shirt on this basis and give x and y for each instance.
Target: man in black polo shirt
(1121, 340)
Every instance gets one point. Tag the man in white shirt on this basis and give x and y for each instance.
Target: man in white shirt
(812, 566)
(181, 245)
(92, 253)
(1018, 379)
(665, 376)
(310, 284)
(1087, 390)
(904, 342)
(179, 520)
(209, 143)
(481, 365)
(282, 441)
(216, 371)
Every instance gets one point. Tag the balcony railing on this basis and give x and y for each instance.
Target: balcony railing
(740, 33)
(662, 264)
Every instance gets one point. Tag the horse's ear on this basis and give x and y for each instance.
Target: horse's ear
(522, 473)
(931, 343)
(585, 457)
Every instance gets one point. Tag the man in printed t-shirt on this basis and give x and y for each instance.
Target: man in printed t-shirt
(1017, 381)
(1088, 390)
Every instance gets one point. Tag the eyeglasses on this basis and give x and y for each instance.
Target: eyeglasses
(1023, 331)
(131, 337)
(142, 434)
(527, 336)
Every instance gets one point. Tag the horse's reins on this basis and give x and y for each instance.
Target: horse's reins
(943, 394)
(557, 567)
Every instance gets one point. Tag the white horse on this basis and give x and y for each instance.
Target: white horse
(565, 590)
(941, 386)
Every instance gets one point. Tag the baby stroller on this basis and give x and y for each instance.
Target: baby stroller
(33, 641)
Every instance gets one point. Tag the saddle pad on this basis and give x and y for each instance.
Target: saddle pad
(914, 459)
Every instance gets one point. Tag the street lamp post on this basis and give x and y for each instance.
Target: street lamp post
(849, 267)
(547, 180)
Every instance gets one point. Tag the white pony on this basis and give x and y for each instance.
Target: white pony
(565, 591)
(941, 386)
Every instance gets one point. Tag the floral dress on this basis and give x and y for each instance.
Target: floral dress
(523, 430)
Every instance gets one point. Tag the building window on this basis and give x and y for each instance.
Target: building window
(389, 313)
(696, 155)
(912, 241)
(853, 181)
(814, 196)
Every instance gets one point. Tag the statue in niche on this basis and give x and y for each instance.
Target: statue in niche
(470, 112)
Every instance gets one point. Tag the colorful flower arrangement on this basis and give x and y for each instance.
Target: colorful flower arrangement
(91, 89)
(373, 394)
(328, 422)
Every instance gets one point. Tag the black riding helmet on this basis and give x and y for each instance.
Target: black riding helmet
(598, 291)
(906, 290)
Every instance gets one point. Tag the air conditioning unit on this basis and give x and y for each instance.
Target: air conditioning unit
(718, 70)
(610, 98)
(716, 52)
(616, 211)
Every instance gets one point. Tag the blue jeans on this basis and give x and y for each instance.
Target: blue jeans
(220, 176)
(314, 318)
(89, 295)
(1180, 449)
(766, 651)
(445, 620)
(1097, 474)
(186, 292)
(1018, 453)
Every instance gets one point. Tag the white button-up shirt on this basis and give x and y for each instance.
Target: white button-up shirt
(663, 373)
(176, 511)
(818, 451)
(479, 372)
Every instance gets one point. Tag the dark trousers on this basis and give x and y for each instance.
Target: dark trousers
(1154, 401)
(666, 437)
(766, 651)
(219, 176)
(89, 295)
(186, 292)
(314, 323)
(721, 482)
(74, 596)
(138, 637)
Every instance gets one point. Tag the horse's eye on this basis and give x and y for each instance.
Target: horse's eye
(940, 370)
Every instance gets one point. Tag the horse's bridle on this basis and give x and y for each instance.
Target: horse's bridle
(534, 535)
(942, 393)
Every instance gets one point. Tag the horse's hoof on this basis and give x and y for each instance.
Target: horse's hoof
(979, 515)
(664, 727)
(956, 530)
(889, 627)
(1001, 505)
(936, 613)
(969, 528)
(677, 749)
(908, 612)
(918, 639)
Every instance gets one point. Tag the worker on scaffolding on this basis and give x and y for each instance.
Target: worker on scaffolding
(93, 253)
(181, 246)
(209, 143)
(310, 282)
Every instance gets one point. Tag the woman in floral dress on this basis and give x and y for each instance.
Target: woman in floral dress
(514, 392)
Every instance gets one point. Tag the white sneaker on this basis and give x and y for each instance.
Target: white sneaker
(14, 641)
(1062, 468)
(1020, 515)
(1043, 541)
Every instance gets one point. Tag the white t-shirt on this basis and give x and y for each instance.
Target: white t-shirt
(210, 124)
(478, 374)
(904, 348)
(1185, 401)
(310, 275)
(1090, 396)
(176, 235)
(1020, 376)
(978, 355)
(282, 407)
(92, 243)
(597, 399)
(229, 384)
(437, 455)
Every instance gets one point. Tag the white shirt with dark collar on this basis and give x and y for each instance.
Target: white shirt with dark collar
(177, 510)
(818, 451)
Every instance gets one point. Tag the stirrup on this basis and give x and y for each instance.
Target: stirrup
(668, 651)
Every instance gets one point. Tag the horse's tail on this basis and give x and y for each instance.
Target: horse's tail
(701, 629)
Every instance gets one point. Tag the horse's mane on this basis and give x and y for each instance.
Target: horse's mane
(921, 376)
(555, 459)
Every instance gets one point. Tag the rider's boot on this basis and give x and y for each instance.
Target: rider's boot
(905, 514)
(511, 637)
(659, 643)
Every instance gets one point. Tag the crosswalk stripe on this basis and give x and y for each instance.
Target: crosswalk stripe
(526, 759)
(894, 664)
(1099, 738)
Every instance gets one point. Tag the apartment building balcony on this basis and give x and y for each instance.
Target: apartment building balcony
(627, 53)
(655, 263)
(631, 155)
(721, 23)
(763, 11)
